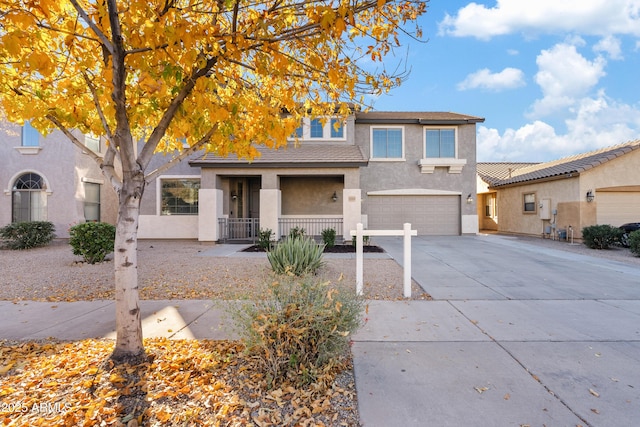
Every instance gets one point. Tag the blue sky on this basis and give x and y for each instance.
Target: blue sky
(552, 78)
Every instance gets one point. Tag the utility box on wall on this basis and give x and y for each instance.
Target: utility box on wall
(545, 209)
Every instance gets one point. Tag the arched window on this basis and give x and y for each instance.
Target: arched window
(29, 198)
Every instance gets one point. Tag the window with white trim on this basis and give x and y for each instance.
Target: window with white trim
(318, 129)
(30, 136)
(440, 143)
(179, 196)
(529, 202)
(441, 150)
(92, 143)
(91, 202)
(387, 143)
(29, 198)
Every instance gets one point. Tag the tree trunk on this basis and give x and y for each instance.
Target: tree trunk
(129, 346)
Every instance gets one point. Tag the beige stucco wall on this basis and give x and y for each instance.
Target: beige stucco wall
(63, 166)
(563, 196)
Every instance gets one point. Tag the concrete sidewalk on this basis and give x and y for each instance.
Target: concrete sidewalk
(516, 335)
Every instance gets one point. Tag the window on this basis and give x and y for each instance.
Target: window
(180, 196)
(337, 128)
(529, 202)
(91, 202)
(92, 143)
(387, 143)
(29, 199)
(316, 129)
(440, 143)
(30, 136)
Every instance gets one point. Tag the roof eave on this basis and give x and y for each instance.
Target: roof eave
(567, 175)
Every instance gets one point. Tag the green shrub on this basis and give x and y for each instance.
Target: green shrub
(27, 235)
(301, 331)
(601, 236)
(265, 238)
(329, 237)
(634, 242)
(92, 240)
(297, 256)
(296, 232)
(365, 240)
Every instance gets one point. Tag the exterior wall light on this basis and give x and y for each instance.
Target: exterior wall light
(590, 196)
(469, 199)
(234, 195)
(334, 197)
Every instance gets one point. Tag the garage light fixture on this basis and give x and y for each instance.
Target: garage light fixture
(590, 196)
(334, 197)
(469, 199)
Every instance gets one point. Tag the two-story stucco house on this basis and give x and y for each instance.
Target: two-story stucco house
(379, 168)
(50, 179)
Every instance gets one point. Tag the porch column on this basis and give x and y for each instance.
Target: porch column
(209, 210)
(351, 211)
(270, 210)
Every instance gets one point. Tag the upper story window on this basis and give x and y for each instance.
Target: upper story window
(440, 143)
(30, 136)
(179, 196)
(441, 150)
(92, 143)
(337, 128)
(387, 143)
(318, 129)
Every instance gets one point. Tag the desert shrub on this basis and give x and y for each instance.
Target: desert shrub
(296, 232)
(92, 240)
(601, 236)
(27, 235)
(265, 238)
(301, 331)
(365, 240)
(297, 256)
(634, 242)
(329, 237)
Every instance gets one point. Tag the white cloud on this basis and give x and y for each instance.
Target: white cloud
(597, 122)
(564, 76)
(595, 17)
(508, 78)
(611, 46)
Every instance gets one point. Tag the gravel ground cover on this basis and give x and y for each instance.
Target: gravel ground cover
(173, 270)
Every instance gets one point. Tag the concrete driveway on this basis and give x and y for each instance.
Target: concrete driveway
(517, 335)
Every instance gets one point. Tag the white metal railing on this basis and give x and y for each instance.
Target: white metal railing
(240, 229)
(312, 226)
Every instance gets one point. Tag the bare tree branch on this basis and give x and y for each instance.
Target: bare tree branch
(103, 38)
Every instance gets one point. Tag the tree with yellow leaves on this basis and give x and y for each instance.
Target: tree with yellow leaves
(216, 74)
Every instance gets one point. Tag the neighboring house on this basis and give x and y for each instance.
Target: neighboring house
(561, 197)
(379, 168)
(50, 179)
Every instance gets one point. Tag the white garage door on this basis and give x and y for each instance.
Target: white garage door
(429, 215)
(617, 207)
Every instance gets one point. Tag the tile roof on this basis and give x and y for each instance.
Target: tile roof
(493, 172)
(568, 165)
(433, 117)
(305, 155)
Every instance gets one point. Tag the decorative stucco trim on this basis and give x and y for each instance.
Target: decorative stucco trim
(413, 192)
(429, 165)
(29, 150)
(15, 176)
